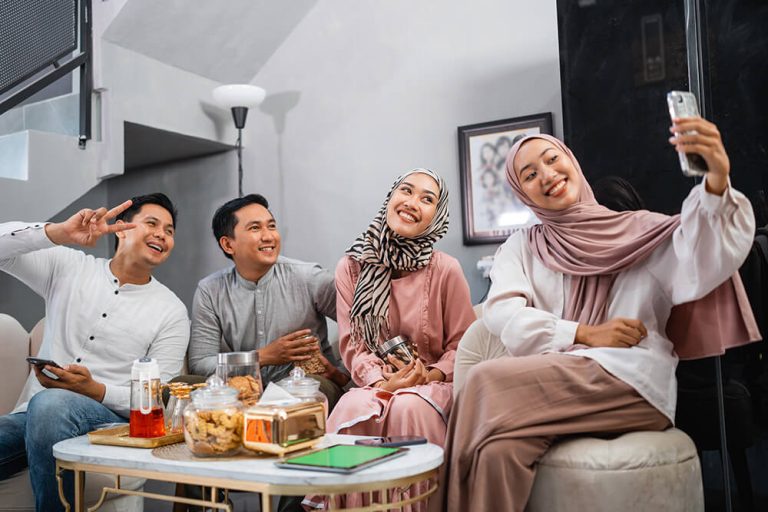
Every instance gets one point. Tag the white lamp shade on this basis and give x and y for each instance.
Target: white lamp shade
(238, 95)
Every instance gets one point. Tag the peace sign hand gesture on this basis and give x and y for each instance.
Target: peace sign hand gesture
(86, 226)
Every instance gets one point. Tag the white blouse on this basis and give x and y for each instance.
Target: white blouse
(526, 301)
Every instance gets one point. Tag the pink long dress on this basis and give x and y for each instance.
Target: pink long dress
(432, 307)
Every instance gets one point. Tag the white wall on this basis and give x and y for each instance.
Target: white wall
(363, 90)
(359, 92)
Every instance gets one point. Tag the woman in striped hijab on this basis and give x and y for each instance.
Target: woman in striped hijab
(392, 282)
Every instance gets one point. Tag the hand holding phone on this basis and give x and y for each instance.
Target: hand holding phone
(37, 361)
(682, 104)
(42, 363)
(392, 441)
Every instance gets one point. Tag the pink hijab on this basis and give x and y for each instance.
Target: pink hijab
(595, 244)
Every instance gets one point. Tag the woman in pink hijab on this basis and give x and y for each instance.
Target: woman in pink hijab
(594, 307)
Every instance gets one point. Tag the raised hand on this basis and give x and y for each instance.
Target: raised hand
(697, 135)
(618, 332)
(87, 226)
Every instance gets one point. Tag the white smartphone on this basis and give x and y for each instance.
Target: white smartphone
(683, 104)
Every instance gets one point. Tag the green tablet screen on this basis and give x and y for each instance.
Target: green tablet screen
(342, 456)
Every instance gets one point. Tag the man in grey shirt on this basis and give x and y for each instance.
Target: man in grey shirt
(265, 302)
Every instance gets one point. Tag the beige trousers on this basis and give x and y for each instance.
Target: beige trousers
(512, 409)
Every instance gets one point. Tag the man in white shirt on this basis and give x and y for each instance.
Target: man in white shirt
(101, 315)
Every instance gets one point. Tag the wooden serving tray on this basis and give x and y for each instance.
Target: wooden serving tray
(118, 436)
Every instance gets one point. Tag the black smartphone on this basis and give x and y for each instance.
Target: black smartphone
(392, 441)
(42, 362)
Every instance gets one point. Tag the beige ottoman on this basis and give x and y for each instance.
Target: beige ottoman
(640, 471)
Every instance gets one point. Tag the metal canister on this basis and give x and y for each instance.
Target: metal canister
(281, 428)
(399, 347)
(240, 370)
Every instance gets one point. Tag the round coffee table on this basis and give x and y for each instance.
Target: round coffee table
(383, 483)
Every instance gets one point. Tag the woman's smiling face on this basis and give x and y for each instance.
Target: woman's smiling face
(413, 205)
(547, 175)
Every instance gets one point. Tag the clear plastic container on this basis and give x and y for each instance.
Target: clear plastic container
(213, 422)
(241, 371)
(304, 388)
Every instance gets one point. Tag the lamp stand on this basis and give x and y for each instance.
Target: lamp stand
(238, 115)
(239, 162)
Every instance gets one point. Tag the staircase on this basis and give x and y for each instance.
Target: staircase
(155, 64)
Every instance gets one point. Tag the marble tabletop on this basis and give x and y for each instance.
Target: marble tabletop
(420, 458)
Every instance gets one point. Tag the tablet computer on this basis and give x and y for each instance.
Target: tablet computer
(342, 458)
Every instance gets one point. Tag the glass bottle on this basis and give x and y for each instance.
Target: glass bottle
(178, 401)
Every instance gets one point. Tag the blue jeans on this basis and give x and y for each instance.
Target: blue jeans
(27, 438)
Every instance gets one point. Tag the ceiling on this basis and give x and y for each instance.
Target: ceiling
(227, 41)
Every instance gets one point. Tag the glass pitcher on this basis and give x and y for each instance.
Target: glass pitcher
(146, 418)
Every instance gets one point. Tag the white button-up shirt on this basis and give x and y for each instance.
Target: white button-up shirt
(91, 319)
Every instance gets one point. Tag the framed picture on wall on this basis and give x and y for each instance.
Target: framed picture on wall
(491, 209)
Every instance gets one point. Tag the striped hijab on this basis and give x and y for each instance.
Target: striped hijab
(379, 250)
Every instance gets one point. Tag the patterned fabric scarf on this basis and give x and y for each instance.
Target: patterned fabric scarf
(379, 250)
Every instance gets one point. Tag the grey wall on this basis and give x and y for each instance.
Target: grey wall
(22, 303)
(359, 94)
(356, 95)
(197, 187)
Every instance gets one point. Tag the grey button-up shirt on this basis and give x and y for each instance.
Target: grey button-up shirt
(231, 314)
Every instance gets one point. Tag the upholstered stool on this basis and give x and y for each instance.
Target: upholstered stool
(639, 471)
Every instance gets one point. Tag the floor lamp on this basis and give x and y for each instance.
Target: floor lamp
(239, 98)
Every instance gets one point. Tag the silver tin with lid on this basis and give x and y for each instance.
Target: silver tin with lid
(399, 347)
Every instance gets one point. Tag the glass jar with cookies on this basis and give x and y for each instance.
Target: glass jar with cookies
(213, 422)
(240, 370)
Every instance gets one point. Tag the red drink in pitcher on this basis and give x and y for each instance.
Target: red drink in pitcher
(147, 425)
(146, 401)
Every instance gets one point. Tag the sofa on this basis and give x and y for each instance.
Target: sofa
(16, 492)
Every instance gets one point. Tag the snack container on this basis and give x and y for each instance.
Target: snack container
(314, 366)
(280, 428)
(399, 347)
(213, 422)
(240, 370)
(304, 388)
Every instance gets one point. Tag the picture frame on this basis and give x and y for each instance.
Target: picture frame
(491, 210)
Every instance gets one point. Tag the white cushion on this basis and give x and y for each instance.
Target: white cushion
(14, 348)
(629, 451)
(635, 472)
